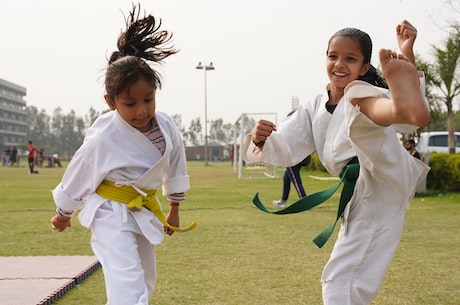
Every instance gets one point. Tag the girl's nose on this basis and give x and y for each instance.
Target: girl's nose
(141, 110)
(339, 63)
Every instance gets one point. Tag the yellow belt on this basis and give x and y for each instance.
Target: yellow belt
(135, 201)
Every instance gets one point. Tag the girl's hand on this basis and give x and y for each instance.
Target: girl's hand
(60, 223)
(172, 218)
(406, 34)
(262, 131)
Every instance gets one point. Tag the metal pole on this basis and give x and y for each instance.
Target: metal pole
(205, 118)
(205, 67)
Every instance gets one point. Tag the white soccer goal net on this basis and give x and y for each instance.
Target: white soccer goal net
(243, 126)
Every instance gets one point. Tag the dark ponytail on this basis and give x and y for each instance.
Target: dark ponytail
(143, 38)
(372, 77)
(141, 41)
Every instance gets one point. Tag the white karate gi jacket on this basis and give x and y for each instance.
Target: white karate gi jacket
(372, 222)
(313, 129)
(114, 150)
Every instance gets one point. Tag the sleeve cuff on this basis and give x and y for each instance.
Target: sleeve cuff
(64, 203)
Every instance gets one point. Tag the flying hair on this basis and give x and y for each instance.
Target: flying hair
(143, 38)
(142, 41)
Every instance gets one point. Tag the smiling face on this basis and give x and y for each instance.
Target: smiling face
(345, 61)
(135, 104)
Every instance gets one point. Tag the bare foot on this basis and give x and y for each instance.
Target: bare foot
(409, 105)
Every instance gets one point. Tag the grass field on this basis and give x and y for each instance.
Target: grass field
(237, 254)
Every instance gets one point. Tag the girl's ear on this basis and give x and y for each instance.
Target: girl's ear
(110, 102)
(364, 69)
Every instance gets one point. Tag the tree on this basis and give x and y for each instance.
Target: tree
(227, 130)
(437, 117)
(194, 133)
(91, 117)
(177, 118)
(80, 133)
(220, 132)
(446, 78)
(67, 135)
(57, 128)
(249, 123)
(72, 133)
(38, 127)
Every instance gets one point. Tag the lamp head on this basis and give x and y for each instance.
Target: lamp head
(210, 67)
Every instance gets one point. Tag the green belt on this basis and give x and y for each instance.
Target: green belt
(348, 177)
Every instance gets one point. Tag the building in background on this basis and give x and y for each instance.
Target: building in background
(13, 122)
(216, 152)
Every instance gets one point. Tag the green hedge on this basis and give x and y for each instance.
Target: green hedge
(444, 174)
(315, 164)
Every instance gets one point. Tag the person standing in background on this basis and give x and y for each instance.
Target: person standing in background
(292, 174)
(14, 156)
(409, 145)
(32, 157)
(6, 156)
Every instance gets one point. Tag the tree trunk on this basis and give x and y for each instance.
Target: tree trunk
(451, 139)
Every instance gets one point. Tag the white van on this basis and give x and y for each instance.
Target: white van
(436, 141)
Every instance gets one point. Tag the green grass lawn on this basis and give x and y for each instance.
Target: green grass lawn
(237, 254)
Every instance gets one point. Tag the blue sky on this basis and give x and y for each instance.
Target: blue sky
(264, 52)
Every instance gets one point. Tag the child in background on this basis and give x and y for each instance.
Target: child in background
(358, 117)
(127, 154)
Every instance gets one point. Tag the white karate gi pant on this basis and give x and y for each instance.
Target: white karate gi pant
(363, 252)
(373, 220)
(127, 258)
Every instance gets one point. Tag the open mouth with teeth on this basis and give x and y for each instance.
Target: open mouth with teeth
(339, 74)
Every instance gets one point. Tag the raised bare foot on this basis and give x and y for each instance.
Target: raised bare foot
(402, 78)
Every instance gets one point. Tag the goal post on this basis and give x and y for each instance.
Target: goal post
(242, 127)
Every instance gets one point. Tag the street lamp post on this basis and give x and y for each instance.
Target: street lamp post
(205, 68)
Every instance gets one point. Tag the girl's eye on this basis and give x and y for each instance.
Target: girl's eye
(351, 59)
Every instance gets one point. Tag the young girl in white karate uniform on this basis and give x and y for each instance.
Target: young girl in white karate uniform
(127, 154)
(358, 117)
